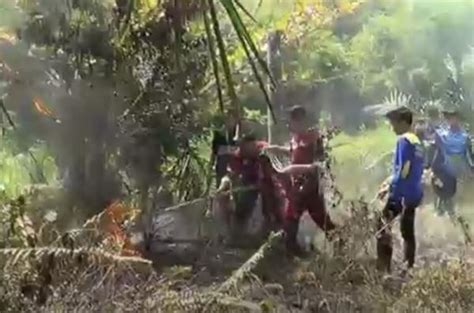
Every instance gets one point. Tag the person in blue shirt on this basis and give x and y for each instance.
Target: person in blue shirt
(434, 122)
(404, 189)
(452, 161)
(456, 144)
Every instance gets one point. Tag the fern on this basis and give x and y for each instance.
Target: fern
(67, 258)
(397, 99)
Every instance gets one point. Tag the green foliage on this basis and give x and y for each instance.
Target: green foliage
(412, 37)
(355, 154)
(18, 170)
(10, 16)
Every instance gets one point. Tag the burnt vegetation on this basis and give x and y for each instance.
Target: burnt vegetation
(107, 109)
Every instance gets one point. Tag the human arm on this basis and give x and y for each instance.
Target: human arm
(276, 148)
(298, 169)
(225, 185)
(403, 156)
(384, 187)
(469, 153)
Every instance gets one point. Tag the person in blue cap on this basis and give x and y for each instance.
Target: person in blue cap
(452, 161)
(404, 190)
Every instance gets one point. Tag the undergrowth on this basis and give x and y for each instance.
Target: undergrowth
(70, 274)
(48, 268)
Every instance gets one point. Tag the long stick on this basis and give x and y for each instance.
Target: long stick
(252, 264)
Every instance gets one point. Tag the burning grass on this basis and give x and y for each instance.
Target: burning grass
(53, 278)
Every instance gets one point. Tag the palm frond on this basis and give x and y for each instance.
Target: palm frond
(397, 98)
(244, 9)
(65, 258)
(223, 56)
(251, 50)
(213, 56)
(248, 38)
(239, 29)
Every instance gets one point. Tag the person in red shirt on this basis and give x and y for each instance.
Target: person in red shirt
(250, 169)
(303, 191)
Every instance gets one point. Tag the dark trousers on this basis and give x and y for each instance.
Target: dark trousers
(445, 192)
(407, 227)
(245, 201)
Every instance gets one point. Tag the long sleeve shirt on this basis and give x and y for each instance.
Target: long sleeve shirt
(408, 166)
(454, 145)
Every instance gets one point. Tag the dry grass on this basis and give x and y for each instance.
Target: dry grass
(62, 280)
(80, 272)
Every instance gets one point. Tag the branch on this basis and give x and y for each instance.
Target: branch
(254, 264)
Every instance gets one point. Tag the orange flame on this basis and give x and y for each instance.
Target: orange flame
(41, 107)
(116, 214)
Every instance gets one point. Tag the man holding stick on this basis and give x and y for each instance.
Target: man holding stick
(404, 189)
(304, 191)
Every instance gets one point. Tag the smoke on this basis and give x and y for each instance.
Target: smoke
(76, 118)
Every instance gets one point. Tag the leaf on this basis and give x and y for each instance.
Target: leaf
(238, 26)
(213, 56)
(242, 7)
(223, 56)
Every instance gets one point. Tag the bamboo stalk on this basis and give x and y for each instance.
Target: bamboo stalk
(253, 264)
(214, 61)
(224, 60)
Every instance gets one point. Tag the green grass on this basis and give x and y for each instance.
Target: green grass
(353, 154)
(365, 146)
(18, 170)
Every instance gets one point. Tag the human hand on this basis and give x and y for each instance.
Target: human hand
(383, 191)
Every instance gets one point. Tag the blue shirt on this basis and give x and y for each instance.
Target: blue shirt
(452, 145)
(408, 166)
(453, 141)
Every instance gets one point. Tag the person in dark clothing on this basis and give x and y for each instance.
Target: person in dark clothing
(405, 190)
(244, 167)
(223, 144)
(250, 173)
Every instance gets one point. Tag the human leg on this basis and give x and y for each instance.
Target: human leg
(293, 214)
(407, 227)
(384, 235)
(223, 208)
(272, 205)
(317, 210)
(244, 205)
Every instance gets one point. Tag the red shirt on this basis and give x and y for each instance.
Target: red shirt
(247, 168)
(306, 147)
